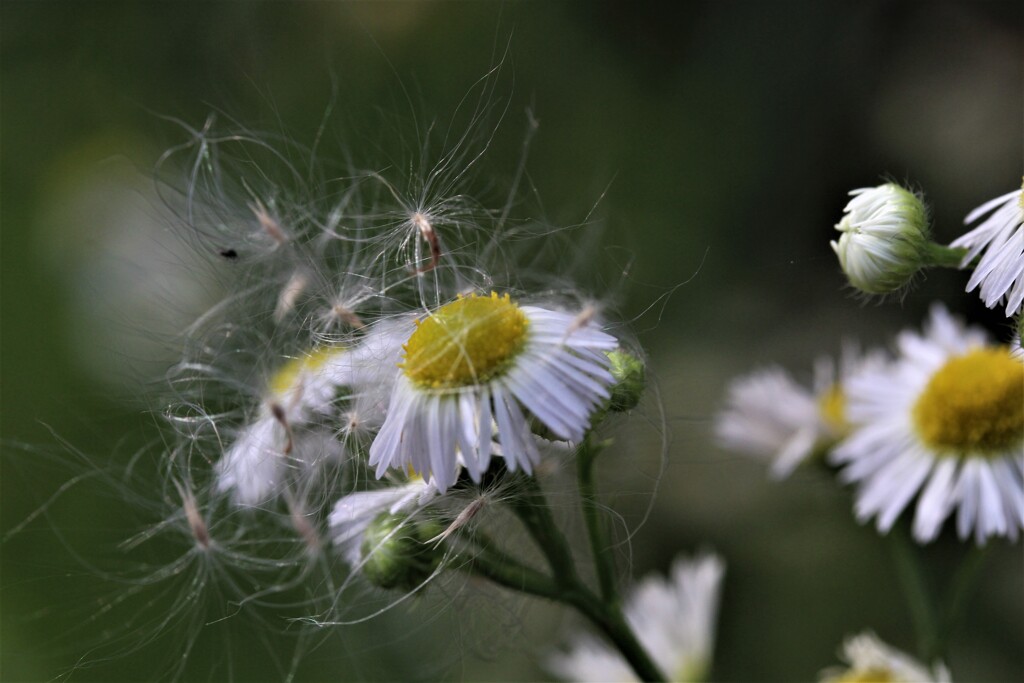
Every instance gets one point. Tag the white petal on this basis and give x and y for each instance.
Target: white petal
(936, 501)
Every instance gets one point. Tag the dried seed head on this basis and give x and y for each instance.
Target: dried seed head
(289, 295)
(268, 223)
(428, 233)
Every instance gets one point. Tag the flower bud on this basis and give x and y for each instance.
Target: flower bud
(885, 234)
(629, 373)
(397, 552)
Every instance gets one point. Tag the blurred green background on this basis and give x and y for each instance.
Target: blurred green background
(726, 134)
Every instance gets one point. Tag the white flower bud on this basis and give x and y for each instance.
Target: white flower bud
(885, 234)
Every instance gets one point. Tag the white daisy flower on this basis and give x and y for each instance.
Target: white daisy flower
(769, 415)
(479, 366)
(1000, 272)
(869, 660)
(945, 423)
(253, 466)
(674, 620)
(885, 233)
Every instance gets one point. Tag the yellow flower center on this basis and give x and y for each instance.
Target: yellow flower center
(973, 404)
(466, 342)
(866, 676)
(832, 407)
(284, 380)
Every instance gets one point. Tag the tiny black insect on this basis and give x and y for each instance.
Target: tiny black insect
(228, 253)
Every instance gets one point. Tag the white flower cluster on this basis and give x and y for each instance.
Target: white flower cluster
(377, 345)
(938, 427)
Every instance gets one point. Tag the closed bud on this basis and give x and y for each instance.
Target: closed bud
(630, 379)
(397, 553)
(884, 240)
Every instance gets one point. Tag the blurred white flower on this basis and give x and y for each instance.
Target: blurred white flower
(1000, 272)
(885, 232)
(869, 660)
(769, 415)
(478, 362)
(944, 422)
(253, 466)
(674, 620)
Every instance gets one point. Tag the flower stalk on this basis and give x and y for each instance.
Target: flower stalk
(961, 587)
(920, 601)
(935, 620)
(604, 563)
(564, 584)
(940, 256)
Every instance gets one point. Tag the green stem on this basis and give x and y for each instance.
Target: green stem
(482, 544)
(565, 585)
(599, 543)
(532, 510)
(943, 256)
(613, 623)
(922, 606)
(610, 621)
(513, 575)
(961, 587)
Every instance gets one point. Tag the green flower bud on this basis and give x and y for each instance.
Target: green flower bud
(630, 379)
(397, 552)
(885, 238)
